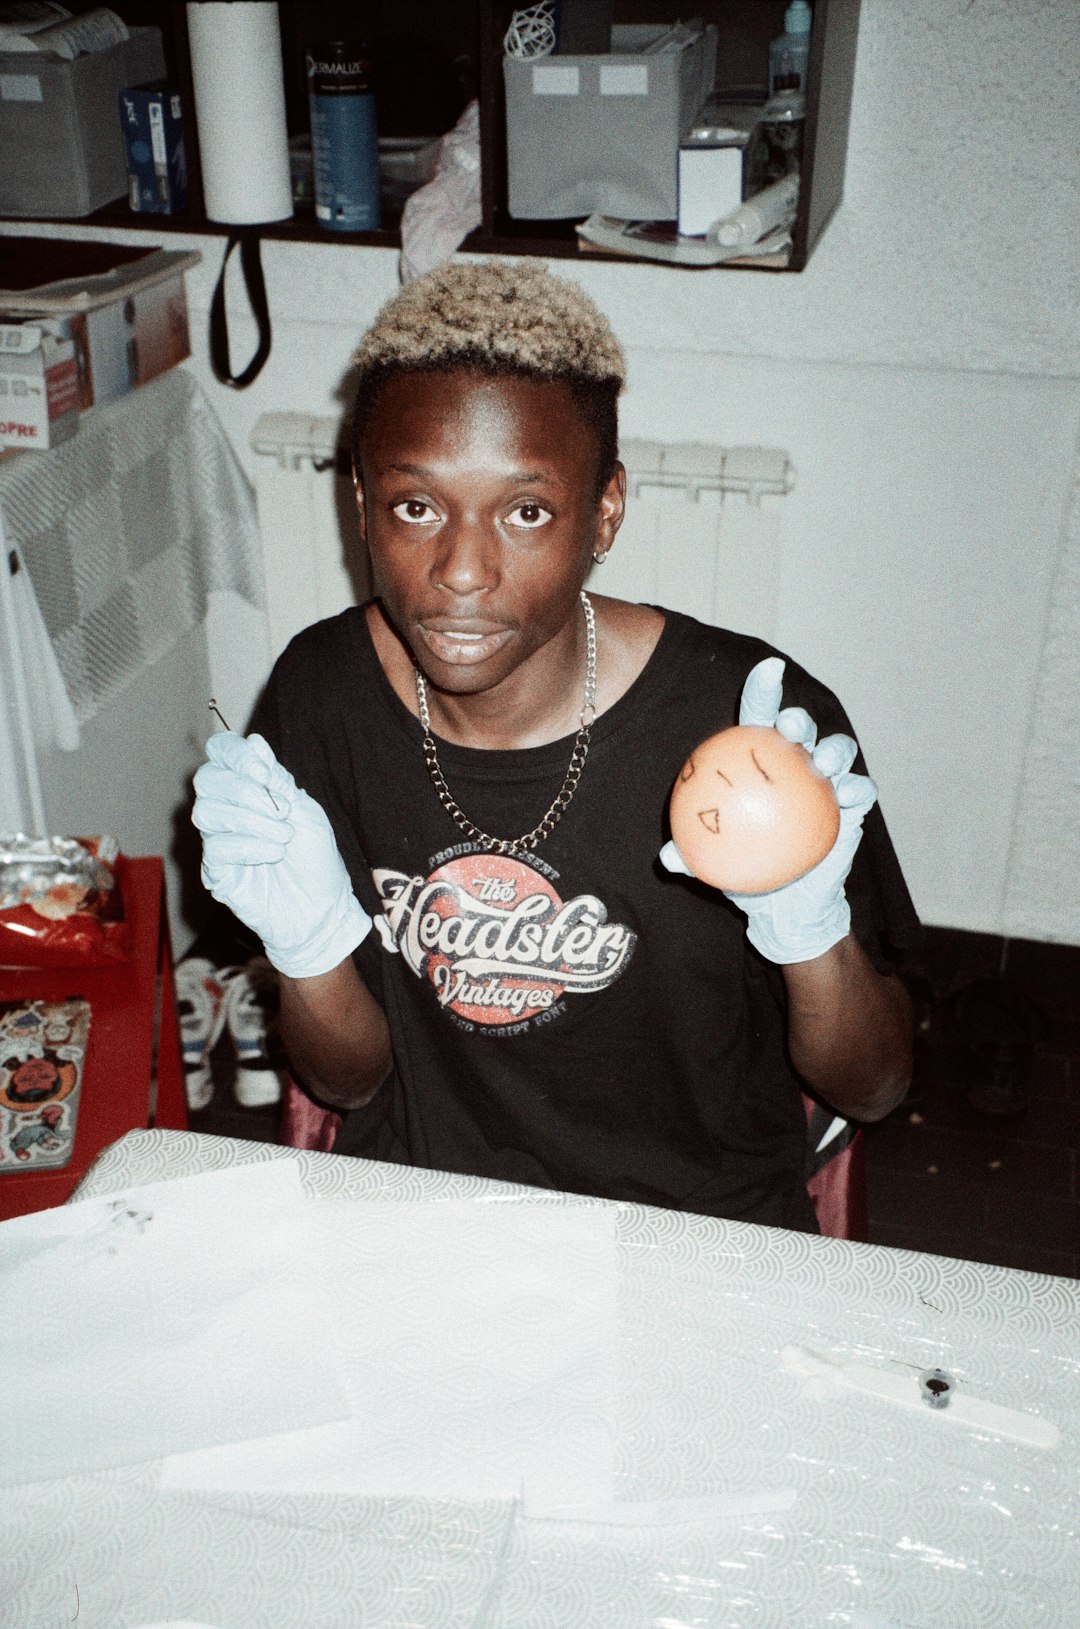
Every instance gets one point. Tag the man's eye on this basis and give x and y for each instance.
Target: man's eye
(529, 515)
(415, 511)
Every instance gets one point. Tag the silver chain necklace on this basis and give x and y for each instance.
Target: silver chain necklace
(520, 845)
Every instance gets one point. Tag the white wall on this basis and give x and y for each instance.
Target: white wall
(924, 376)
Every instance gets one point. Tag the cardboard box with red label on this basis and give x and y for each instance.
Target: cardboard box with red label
(39, 384)
(68, 347)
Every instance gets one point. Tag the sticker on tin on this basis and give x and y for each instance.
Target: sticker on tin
(42, 1051)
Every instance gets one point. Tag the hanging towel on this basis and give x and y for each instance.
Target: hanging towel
(52, 715)
(126, 529)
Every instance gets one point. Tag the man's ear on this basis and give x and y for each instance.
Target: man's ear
(612, 509)
(361, 507)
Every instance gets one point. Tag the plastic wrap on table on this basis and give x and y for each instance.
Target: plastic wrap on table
(776, 1467)
(62, 902)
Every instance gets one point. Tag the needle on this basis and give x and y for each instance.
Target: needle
(216, 710)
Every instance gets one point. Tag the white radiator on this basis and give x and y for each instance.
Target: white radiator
(314, 563)
(702, 532)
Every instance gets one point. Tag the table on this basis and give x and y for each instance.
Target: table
(748, 1498)
(133, 1076)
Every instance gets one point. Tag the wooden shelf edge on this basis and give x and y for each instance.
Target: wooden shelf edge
(553, 247)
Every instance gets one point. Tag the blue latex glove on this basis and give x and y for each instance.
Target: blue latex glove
(269, 854)
(807, 917)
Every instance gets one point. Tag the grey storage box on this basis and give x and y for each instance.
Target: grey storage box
(60, 133)
(600, 134)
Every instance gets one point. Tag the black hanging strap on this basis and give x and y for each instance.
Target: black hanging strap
(251, 266)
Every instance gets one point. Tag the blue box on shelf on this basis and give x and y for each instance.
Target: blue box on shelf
(154, 140)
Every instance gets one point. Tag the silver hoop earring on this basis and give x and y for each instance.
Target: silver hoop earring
(600, 555)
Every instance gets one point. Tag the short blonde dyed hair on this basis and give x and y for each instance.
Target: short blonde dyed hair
(499, 318)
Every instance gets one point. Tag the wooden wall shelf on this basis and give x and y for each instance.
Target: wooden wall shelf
(470, 35)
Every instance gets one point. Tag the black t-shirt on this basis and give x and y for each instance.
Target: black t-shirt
(579, 1018)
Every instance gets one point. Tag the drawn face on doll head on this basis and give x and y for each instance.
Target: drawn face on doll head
(478, 500)
(750, 812)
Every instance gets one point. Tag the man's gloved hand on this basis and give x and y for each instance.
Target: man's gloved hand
(269, 854)
(807, 917)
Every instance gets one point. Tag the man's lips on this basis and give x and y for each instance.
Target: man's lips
(463, 644)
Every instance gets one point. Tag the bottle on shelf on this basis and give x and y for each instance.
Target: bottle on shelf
(344, 136)
(790, 51)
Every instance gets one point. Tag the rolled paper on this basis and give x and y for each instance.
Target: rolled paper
(240, 111)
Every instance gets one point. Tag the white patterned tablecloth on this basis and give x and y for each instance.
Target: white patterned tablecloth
(746, 1500)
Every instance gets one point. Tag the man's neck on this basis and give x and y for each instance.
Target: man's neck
(507, 718)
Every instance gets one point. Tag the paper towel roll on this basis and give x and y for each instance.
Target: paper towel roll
(240, 110)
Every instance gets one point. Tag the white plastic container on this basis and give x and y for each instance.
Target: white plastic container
(771, 207)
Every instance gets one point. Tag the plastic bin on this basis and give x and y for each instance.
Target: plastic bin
(601, 134)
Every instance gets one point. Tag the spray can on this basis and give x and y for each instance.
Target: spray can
(344, 136)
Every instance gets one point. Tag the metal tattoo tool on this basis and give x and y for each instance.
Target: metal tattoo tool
(216, 710)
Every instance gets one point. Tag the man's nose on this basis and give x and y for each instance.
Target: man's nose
(467, 561)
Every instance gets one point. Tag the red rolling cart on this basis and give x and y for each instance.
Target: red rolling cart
(132, 1075)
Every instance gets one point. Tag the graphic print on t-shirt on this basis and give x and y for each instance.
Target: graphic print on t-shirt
(496, 940)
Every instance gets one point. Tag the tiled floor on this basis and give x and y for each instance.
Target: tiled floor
(946, 1176)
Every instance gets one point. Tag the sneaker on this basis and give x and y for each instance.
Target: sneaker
(200, 1013)
(251, 1004)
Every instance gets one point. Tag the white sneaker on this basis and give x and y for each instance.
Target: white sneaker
(251, 1001)
(200, 1013)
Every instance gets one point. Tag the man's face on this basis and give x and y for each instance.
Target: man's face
(477, 498)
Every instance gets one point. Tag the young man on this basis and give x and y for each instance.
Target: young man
(447, 831)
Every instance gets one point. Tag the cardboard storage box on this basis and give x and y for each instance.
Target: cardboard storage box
(129, 341)
(39, 384)
(600, 134)
(74, 344)
(60, 133)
